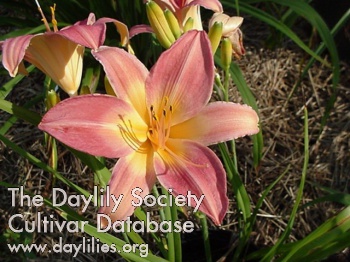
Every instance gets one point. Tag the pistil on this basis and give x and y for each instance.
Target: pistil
(43, 17)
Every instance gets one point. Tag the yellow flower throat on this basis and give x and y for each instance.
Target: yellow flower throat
(159, 128)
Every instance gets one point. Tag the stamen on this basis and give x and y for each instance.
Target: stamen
(53, 20)
(43, 17)
(159, 130)
(129, 135)
(166, 99)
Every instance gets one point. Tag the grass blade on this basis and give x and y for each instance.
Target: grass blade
(274, 250)
(272, 21)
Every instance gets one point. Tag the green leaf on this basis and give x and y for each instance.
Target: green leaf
(329, 238)
(272, 21)
(20, 112)
(7, 87)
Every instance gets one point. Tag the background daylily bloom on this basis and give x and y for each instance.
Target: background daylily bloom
(231, 30)
(57, 54)
(159, 125)
(184, 9)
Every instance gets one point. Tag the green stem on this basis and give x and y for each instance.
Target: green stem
(170, 235)
(156, 194)
(176, 235)
(226, 83)
(205, 234)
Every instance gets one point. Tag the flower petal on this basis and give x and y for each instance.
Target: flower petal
(218, 122)
(188, 166)
(13, 50)
(183, 72)
(230, 24)
(100, 125)
(59, 58)
(134, 171)
(191, 11)
(121, 28)
(138, 29)
(126, 75)
(213, 5)
(91, 36)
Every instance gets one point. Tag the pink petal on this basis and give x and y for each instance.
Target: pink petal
(133, 172)
(13, 51)
(218, 122)
(188, 166)
(126, 75)
(213, 5)
(165, 4)
(184, 76)
(121, 28)
(88, 21)
(91, 36)
(100, 125)
(138, 29)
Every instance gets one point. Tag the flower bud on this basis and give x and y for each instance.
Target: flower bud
(159, 24)
(188, 24)
(215, 34)
(52, 99)
(226, 53)
(173, 23)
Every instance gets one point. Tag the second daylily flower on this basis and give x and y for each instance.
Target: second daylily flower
(57, 54)
(185, 9)
(159, 125)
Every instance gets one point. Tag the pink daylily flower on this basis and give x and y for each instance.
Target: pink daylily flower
(57, 54)
(159, 125)
(184, 9)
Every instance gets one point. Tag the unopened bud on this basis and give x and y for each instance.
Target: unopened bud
(173, 23)
(52, 99)
(188, 24)
(159, 24)
(215, 34)
(226, 53)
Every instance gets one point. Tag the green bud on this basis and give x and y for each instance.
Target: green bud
(226, 53)
(215, 34)
(52, 99)
(85, 90)
(173, 23)
(159, 24)
(189, 24)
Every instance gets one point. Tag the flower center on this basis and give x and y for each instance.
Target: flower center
(159, 129)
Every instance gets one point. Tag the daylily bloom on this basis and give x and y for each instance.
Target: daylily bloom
(159, 125)
(185, 9)
(58, 54)
(231, 30)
